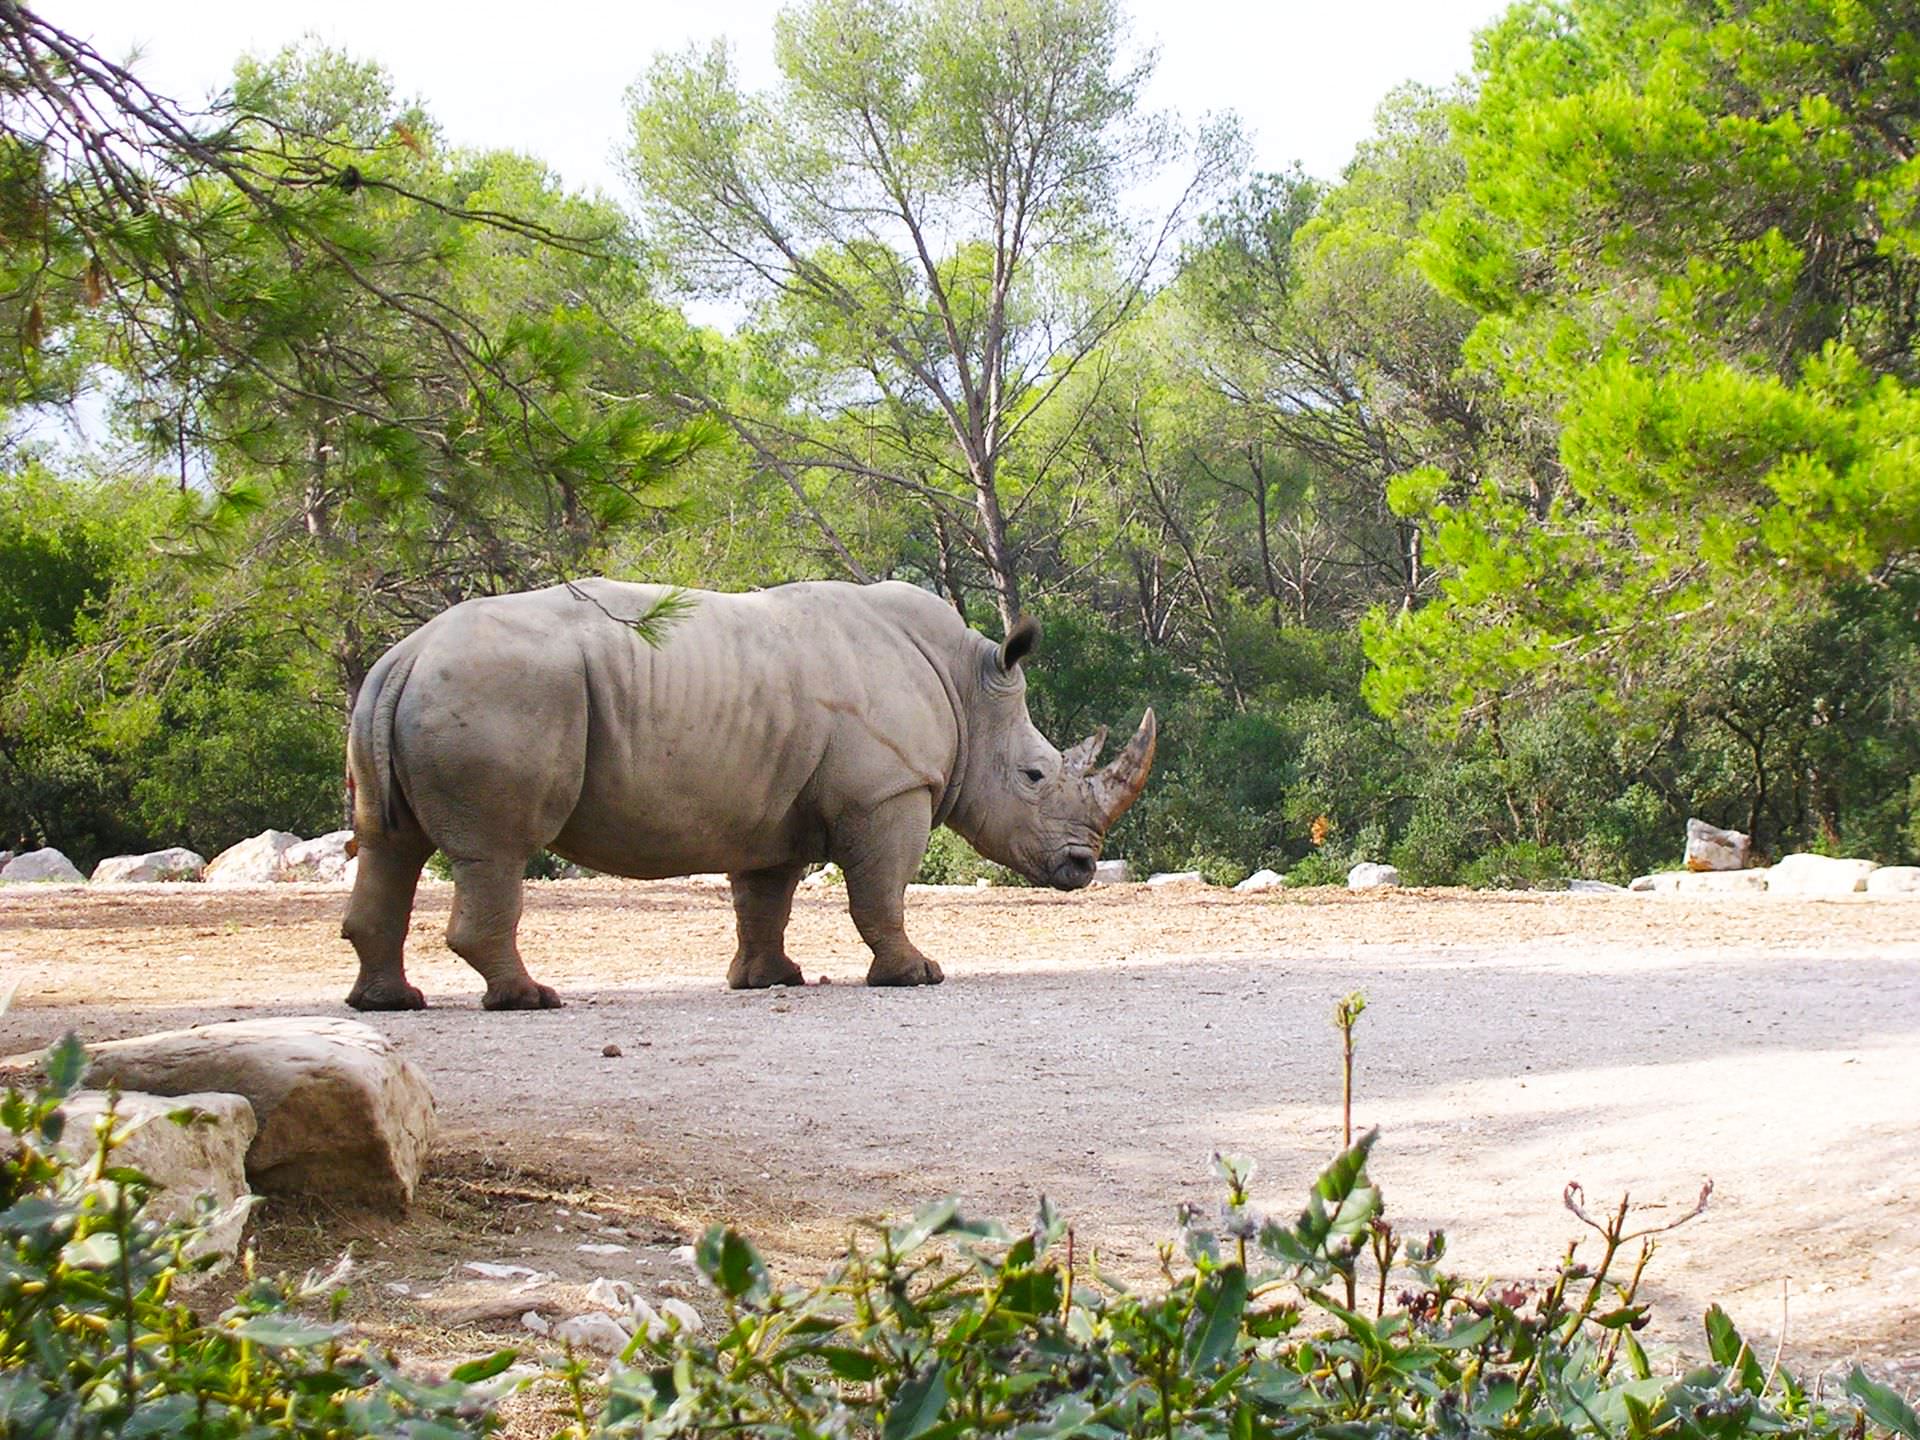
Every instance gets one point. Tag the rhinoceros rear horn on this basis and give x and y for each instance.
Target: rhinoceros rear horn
(1119, 784)
(1080, 758)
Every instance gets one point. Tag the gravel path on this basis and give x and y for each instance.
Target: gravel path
(1098, 1047)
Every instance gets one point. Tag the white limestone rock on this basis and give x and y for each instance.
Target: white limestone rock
(1112, 872)
(47, 866)
(322, 860)
(594, 1330)
(173, 863)
(1721, 882)
(1174, 879)
(1665, 882)
(1369, 876)
(260, 860)
(1894, 880)
(1819, 875)
(206, 1157)
(828, 874)
(1594, 887)
(340, 1114)
(1711, 848)
(1260, 880)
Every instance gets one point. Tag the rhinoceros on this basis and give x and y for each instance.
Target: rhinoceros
(756, 734)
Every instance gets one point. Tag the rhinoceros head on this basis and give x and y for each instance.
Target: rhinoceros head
(1025, 804)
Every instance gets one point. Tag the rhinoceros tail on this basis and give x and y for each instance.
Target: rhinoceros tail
(376, 791)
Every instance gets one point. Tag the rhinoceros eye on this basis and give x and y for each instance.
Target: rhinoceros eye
(1034, 776)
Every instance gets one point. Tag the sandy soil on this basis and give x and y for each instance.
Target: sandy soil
(1098, 1047)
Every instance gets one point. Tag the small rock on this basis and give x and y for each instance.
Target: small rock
(1894, 880)
(1820, 875)
(824, 980)
(612, 1052)
(536, 1322)
(204, 1157)
(594, 1331)
(256, 861)
(1594, 887)
(1168, 878)
(47, 865)
(683, 1255)
(1665, 882)
(1711, 848)
(1112, 872)
(1258, 881)
(322, 860)
(496, 1270)
(341, 1114)
(1369, 876)
(680, 1310)
(174, 863)
(610, 1294)
(599, 1249)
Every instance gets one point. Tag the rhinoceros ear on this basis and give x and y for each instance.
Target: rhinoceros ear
(1019, 643)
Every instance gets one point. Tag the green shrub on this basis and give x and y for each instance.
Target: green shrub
(952, 861)
(939, 1326)
(1522, 865)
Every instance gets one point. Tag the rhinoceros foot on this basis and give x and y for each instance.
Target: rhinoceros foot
(915, 969)
(387, 995)
(760, 972)
(521, 993)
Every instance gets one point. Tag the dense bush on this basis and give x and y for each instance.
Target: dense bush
(1331, 1326)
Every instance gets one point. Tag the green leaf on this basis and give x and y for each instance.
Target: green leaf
(929, 1220)
(1883, 1406)
(1727, 1348)
(1222, 1301)
(917, 1405)
(99, 1251)
(732, 1264)
(286, 1332)
(476, 1370)
(66, 1064)
(848, 1364)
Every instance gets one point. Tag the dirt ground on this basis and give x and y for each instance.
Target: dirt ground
(1096, 1047)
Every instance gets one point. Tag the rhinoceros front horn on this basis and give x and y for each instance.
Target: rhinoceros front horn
(1119, 783)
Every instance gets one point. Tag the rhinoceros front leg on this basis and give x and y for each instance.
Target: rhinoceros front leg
(880, 851)
(762, 901)
(483, 932)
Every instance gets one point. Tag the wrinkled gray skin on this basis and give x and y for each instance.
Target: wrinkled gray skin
(764, 732)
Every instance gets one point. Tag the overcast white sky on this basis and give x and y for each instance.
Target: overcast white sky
(547, 76)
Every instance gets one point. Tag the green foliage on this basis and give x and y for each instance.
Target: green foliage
(951, 861)
(935, 1326)
(98, 1337)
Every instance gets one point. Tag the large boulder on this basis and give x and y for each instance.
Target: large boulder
(1664, 882)
(260, 860)
(173, 863)
(1369, 876)
(341, 1115)
(204, 1157)
(45, 865)
(323, 859)
(1819, 875)
(1720, 882)
(1258, 881)
(1711, 848)
(1894, 880)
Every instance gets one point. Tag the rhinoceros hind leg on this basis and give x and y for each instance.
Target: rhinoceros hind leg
(482, 931)
(385, 878)
(762, 901)
(880, 851)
